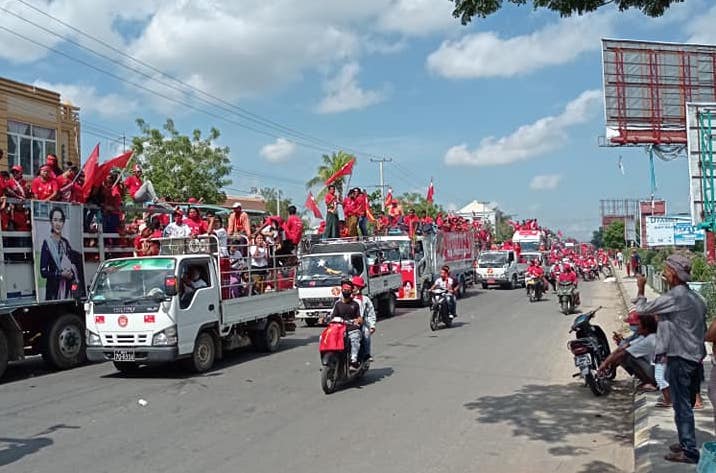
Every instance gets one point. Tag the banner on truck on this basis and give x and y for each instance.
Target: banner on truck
(57, 242)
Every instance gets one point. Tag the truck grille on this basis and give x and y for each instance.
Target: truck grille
(319, 303)
(125, 339)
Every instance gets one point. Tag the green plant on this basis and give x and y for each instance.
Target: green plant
(709, 294)
(702, 270)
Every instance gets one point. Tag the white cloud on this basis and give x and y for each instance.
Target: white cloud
(343, 92)
(418, 17)
(279, 151)
(700, 28)
(90, 101)
(545, 182)
(488, 55)
(528, 141)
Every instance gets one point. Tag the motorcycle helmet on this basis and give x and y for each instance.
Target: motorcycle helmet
(358, 282)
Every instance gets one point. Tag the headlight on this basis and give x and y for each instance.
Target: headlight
(166, 337)
(92, 339)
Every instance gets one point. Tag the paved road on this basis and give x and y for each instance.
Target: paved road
(493, 394)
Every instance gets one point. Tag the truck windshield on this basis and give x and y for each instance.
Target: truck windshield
(132, 279)
(328, 270)
(529, 246)
(492, 260)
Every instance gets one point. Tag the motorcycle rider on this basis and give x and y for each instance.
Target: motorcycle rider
(367, 313)
(568, 275)
(349, 310)
(554, 273)
(537, 272)
(447, 283)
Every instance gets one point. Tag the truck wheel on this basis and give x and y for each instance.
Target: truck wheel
(387, 306)
(4, 353)
(513, 282)
(63, 345)
(202, 358)
(126, 367)
(484, 285)
(391, 304)
(268, 339)
(462, 287)
(425, 296)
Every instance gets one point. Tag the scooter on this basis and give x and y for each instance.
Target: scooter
(534, 288)
(590, 349)
(566, 294)
(335, 349)
(439, 311)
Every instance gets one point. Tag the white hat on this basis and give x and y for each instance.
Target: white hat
(142, 227)
(237, 205)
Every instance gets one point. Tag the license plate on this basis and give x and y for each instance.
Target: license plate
(123, 355)
(490, 281)
(582, 361)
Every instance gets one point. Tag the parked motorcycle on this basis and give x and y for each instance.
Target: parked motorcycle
(590, 348)
(534, 288)
(567, 297)
(335, 349)
(439, 311)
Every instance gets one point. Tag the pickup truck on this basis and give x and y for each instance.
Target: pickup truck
(500, 267)
(187, 303)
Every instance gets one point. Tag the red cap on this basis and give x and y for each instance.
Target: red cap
(192, 200)
(358, 282)
(17, 168)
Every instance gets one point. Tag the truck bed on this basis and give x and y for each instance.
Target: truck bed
(248, 309)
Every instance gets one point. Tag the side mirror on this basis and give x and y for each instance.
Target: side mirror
(170, 286)
(75, 290)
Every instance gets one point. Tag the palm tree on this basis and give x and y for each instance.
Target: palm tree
(331, 165)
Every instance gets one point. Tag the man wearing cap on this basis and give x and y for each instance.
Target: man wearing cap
(16, 186)
(349, 310)
(238, 221)
(177, 229)
(367, 311)
(44, 186)
(682, 315)
(141, 191)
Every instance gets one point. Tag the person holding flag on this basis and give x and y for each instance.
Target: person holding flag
(332, 201)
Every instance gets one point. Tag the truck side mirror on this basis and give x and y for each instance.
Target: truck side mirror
(170, 286)
(75, 290)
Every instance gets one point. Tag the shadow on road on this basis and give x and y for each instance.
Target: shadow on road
(374, 376)
(552, 413)
(12, 449)
(28, 368)
(597, 466)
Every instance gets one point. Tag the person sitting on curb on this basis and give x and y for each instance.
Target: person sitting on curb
(636, 355)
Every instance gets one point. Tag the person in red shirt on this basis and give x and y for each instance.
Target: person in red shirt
(55, 170)
(293, 229)
(111, 198)
(350, 213)
(195, 223)
(141, 191)
(568, 275)
(17, 186)
(332, 201)
(44, 186)
(411, 221)
(361, 209)
(65, 183)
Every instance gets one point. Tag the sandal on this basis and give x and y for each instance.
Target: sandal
(680, 457)
(646, 388)
(663, 404)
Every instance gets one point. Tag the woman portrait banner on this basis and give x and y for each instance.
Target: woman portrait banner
(57, 244)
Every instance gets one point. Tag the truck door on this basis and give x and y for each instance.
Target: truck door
(198, 301)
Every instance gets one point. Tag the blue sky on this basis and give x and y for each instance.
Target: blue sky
(508, 109)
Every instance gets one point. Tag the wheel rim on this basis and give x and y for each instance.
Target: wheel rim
(425, 296)
(272, 335)
(434, 320)
(203, 353)
(70, 341)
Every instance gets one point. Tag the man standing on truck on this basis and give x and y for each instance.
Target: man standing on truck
(349, 310)
(332, 200)
(447, 283)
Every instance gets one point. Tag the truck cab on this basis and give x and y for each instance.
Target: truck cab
(325, 264)
(500, 267)
(184, 304)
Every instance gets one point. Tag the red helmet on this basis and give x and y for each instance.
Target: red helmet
(358, 282)
(16, 168)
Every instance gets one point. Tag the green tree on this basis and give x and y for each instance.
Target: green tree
(614, 236)
(414, 200)
(269, 195)
(331, 164)
(503, 230)
(467, 9)
(598, 238)
(183, 166)
(375, 198)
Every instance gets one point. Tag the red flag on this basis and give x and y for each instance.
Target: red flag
(313, 206)
(431, 192)
(345, 170)
(116, 162)
(90, 170)
(389, 196)
(559, 233)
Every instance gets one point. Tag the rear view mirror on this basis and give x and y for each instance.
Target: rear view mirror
(170, 286)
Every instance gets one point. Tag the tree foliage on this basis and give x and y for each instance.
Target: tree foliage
(465, 10)
(614, 236)
(503, 230)
(414, 200)
(598, 238)
(269, 195)
(182, 166)
(330, 165)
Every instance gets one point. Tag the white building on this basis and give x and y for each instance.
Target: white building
(485, 211)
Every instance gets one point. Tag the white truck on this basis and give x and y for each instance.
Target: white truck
(151, 309)
(419, 259)
(324, 265)
(49, 251)
(500, 267)
(530, 241)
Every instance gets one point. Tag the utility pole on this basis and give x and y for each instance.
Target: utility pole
(278, 202)
(380, 162)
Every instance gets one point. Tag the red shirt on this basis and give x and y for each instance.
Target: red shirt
(4, 220)
(198, 226)
(17, 188)
(331, 200)
(43, 189)
(112, 198)
(20, 218)
(360, 205)
(293, 227)
(132, 183)
(349, 207)
(535, 271)
(570, 276)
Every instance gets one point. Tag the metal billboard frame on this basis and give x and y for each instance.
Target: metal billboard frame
(700, 121)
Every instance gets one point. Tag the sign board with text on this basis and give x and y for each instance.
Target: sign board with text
(670, 230)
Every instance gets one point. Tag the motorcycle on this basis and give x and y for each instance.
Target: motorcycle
(566, 294)
(534, 288)
(335, 349)
(590, 348)
(606, 270)
(439, 311)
